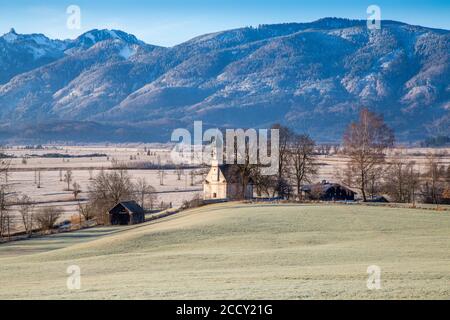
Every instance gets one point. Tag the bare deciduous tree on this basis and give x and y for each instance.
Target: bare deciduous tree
(365, 143)
(374, 179)
(5, 194)
(76, 190)
(401, 181)
(68, 176)
(145, 193)
(301, 156)
(285, 140)
(109, 188)
(38, 178)
(179, 172)
(6, 224)
(264, 184)
(161, 175)
(46, 217)
(192, 176)
(26, 210)
(4, 170)
(242, 166)
(434, 185)
(86, 210)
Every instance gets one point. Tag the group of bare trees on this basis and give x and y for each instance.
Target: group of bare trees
(401, 181)
(145, 194)
(366, 143)
(296, 166)
(435, 187)
(5, 216)
(301, 158)
(105, 190)
(108, 188)
(46, 217)
(29, 217)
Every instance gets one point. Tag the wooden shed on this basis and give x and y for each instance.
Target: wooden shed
(126, 212)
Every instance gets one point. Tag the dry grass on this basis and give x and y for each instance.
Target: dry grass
(238, 251)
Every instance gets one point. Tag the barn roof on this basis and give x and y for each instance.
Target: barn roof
(130, 206)
(324, 186)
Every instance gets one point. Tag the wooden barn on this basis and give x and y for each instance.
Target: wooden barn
(126, 212)
(328, 191)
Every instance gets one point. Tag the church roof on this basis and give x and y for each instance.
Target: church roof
(231, 173)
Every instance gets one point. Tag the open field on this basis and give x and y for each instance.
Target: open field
(242, 251)
(52, 191)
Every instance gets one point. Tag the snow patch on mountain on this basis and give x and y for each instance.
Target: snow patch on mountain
(127, 52)
(90, 37)
(11, 36)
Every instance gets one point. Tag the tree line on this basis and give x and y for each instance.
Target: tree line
(365, 144)
(105, 190)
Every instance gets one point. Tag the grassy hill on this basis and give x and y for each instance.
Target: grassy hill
(239, 251)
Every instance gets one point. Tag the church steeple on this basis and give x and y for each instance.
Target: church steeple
(215, 153)
(214, 160)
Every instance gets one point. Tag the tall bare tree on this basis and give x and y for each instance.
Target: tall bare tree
(434, 183)
(5, 195)
(285, 140)
(161, 175)
(39, 178)
(4, 214)
(26, 210)
(301, 158)
(76, 190)
(374, 181)
(179, 171)
(46, 217)
(401, 181)
(242, 164)
(68, 177)
(109, 188)
(365, 143)
(264, 184)
(145, 193)
(86, 210)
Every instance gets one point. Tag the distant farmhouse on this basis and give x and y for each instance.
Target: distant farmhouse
(327, 191)
(126, 212)
(224, 182)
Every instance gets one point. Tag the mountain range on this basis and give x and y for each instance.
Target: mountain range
(107, 85)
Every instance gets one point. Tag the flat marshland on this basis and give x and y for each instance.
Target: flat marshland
(30, 166)
(242, 251)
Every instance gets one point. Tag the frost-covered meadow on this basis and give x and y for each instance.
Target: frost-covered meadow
(42, 179)
(242, 251)
(51, 191)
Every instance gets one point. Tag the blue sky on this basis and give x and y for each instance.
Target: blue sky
(169, 22)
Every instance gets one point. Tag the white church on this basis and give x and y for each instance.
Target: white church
(224, 182)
